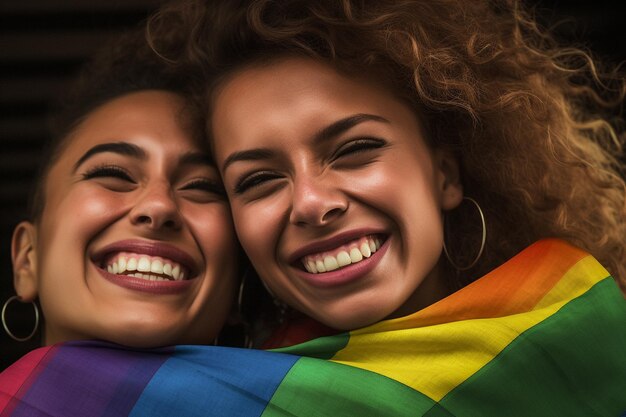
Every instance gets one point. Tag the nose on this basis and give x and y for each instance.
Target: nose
(156, 209)
(316, 203)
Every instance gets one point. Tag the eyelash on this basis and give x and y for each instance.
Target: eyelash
(350, 148)
(359, 145)
(117, 172)
(108, 171)
(253, 180)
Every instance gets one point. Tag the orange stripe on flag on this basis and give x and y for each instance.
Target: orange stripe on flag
(515, 287)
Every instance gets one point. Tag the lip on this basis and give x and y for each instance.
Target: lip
(347, 274)
(149, 248)
(331, 243)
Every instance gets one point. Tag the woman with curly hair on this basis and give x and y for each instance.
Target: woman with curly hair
(427, 175)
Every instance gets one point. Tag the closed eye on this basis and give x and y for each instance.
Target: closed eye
(254, 180)
(111, 171)
(358, 146)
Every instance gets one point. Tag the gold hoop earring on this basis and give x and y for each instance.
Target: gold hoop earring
(6, 327)
(482, 243)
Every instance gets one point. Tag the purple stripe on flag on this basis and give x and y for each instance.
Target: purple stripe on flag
(91, 378)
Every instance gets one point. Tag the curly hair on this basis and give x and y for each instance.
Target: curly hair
(536, 126)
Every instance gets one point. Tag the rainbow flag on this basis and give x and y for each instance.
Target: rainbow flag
(543, 335)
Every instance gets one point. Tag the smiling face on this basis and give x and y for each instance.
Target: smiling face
(135, 244)
(336, 197)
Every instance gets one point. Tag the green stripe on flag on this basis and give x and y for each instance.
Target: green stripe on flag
(571, 364)
(322, 348)
(316, 387)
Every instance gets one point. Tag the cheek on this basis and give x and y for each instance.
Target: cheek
(258, 225)
(80, 214)
(406, 194)
(213, 227)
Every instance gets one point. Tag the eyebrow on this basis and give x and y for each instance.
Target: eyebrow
(122, 148)
(329, 132)
(341, 125)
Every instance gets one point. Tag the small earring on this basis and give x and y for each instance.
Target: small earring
(6, 327)
(482, 243)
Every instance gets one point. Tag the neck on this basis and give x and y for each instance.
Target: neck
(432, 289)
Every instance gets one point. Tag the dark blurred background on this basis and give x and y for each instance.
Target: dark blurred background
(44, 42)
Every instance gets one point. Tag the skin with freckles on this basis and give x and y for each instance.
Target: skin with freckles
(131, 182)
(315, 164)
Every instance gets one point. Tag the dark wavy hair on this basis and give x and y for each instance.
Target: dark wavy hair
(535, 125)
(124, 65)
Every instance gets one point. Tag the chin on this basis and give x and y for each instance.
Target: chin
(136, 337)
(356, 320)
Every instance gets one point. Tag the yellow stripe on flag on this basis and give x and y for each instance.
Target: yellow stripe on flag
(434, 359)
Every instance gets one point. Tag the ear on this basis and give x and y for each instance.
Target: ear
(24, 257)
(448, 179)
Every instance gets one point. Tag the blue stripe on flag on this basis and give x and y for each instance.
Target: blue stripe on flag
(214, 381)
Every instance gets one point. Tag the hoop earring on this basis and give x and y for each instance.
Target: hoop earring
(6, 328)
(482, 243)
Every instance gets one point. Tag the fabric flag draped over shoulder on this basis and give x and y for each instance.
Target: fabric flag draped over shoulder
(543, 335)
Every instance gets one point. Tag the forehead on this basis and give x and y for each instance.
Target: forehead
(293, 75)
(294, 97)
(151, 116)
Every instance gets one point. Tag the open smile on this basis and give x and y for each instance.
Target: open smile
(350, 253)
(340, 260)
(146, 266)
(153, 268)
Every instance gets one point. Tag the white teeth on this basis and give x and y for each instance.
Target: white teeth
(355, 255)
(143, 264)
(365, 250)
(342, 258)
(148, 277)
(310, 266)
(121, 265)
(156, 267)
(131, 265)
(330, 263)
